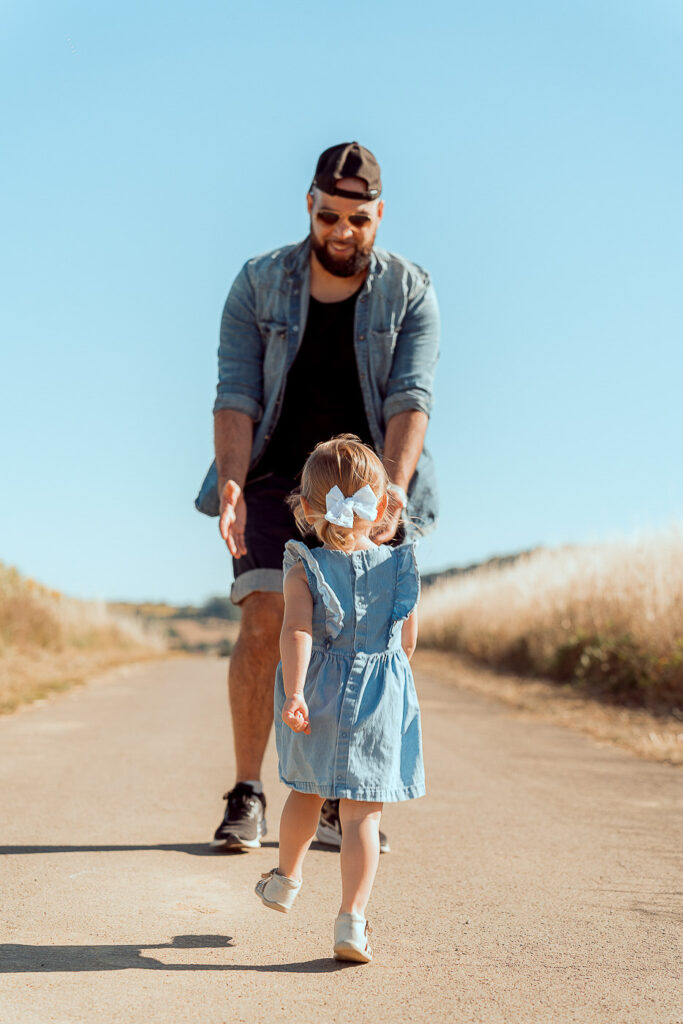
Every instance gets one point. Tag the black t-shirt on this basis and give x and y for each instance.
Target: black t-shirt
(322, 393)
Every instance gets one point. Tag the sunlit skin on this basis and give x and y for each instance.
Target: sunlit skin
(341, 238)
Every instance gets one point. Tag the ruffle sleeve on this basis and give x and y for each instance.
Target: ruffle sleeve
(296, 551)
(407, 592)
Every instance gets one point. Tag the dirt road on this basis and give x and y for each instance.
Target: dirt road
(537, 881)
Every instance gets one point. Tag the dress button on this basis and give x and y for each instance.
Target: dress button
(339, 778)
(361, 337)
(343, 735)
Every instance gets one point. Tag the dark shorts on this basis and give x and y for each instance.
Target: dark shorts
(270, 524)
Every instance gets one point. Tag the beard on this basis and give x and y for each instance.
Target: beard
(345, 266)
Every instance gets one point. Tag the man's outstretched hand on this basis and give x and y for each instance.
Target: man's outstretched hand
(233, 520)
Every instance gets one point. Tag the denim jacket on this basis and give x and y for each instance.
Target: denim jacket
(396, 340)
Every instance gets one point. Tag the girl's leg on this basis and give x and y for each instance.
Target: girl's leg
(359, 852)
(297, 827)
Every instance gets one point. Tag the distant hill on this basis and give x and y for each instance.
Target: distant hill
(209, 628)
(221, 607)
(495, 562)
(217, 607)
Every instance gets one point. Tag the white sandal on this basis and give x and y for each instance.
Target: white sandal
(277, 891)
(351, 938)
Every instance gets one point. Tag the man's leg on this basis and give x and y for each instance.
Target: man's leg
(251, 681)
(329, 831)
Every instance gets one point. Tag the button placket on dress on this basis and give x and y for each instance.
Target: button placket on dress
(341, 760)
(356, 672)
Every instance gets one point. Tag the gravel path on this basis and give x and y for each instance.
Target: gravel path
(537, 881)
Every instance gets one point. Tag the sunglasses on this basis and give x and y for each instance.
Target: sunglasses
(356, 220)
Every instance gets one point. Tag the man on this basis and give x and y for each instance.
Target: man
(324, 337)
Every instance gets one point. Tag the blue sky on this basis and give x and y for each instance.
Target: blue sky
(532, 160)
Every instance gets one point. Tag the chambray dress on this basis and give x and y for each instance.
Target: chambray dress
(365, 741)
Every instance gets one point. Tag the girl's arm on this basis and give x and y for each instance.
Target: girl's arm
(296, 639)
(409, 634)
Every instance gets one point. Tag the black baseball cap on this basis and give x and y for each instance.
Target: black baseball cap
(348, 160)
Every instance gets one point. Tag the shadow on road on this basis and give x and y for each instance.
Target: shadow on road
(17, 958)
(194, 849)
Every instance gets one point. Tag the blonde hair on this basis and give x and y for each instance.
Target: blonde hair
(348, 463)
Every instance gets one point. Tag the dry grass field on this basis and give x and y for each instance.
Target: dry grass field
(590, 637)
(49, 642)
(606, 619)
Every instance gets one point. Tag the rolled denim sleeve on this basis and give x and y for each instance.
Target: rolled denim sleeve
(240, 353)
(411, 382)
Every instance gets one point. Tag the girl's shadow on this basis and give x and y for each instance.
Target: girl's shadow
(17, 958)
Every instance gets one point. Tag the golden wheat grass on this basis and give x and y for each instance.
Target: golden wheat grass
(608, 617)
(49, 642)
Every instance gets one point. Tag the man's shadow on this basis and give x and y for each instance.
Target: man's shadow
(18, 958)
(194, 849)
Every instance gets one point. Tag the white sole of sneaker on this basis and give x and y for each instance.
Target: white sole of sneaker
(345, 951)
(277, 885)
(235, 844)
(272, 906)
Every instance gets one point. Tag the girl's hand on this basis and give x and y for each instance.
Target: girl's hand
(295, 714)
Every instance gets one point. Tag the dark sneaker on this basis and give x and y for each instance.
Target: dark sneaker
(244, 822)
(329, 828)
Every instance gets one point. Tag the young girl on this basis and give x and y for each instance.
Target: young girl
(347, 720)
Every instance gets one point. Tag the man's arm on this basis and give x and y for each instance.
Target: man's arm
(240, 353)
(233, 436)
(403, 445)
(409, 397)
(402, 448)
(411, 381)
(238, 405)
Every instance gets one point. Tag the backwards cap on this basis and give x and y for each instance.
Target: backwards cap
(348, 160)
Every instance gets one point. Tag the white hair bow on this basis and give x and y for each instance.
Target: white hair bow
(340, 509)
